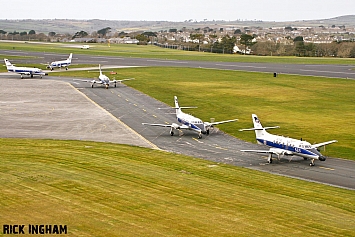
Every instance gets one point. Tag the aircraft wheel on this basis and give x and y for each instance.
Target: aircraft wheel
(171, 133)
(199, 136)
(269, 161)
(92, 86)
(66, 68)
(115, 84)
(311, 164)
(51, 69)
(208, 132)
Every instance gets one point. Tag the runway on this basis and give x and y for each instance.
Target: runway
(333, 71)
(134, 108)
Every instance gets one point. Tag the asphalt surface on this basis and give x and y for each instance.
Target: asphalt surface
(38, 108)
(134, 108)
(334, 71)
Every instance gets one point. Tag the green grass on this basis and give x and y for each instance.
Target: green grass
(316, 109)
(101, 189)
(148, 51)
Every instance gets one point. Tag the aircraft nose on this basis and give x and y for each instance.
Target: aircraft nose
(322, 158)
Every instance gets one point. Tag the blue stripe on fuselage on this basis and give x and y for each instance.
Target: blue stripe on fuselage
(193, 126)
(298, 150)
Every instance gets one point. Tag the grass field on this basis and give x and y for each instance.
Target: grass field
(316, 109)
(148, 51)
(100, 189)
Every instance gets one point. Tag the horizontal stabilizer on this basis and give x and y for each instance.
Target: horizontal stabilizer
(257, 129)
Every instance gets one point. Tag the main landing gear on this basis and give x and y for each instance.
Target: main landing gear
(312, 163)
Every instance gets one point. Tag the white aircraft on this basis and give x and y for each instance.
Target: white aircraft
(62, 63)
(29, 71)
(283, 145)
(105, 80)
(189, 122)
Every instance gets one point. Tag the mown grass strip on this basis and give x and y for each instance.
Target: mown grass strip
(100, 189)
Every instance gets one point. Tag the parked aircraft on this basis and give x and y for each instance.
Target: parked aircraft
(29, 71)
(105, 80)
(190, 122)
(283, 145)
(62, 63)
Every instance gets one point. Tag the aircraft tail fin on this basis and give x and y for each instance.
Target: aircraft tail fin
(100, 69)
(260, 131)
(7, 63)
(177, 107)
(70, 57)
(256, 122)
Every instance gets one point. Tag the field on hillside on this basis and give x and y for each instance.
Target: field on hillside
(100, 189)
(315, 109)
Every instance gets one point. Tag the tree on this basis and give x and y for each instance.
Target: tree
(298, 39)
(80, 34)
(300, 48)
(51, 34)
(246, 40)
(142, 38)
(352, 52)
(237, 32)
(32, 32)
(150, 34)
(226, 44)
(104, 31)
(199, 37)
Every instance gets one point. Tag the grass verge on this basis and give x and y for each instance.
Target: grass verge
(101, 189)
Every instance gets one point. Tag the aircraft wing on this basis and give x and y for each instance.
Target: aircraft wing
(92, 81)
(174, 125)
(123, 80)
(276, 151)
(258, 151)
(220, 122)
(323, 143)
(158, 125)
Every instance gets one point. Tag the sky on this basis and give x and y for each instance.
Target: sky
(177, 10)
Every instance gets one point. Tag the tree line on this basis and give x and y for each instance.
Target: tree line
(225, 45)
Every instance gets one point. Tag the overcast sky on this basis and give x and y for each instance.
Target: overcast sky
(177, 10)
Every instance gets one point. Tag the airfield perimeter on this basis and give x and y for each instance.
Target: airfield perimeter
(37, 107)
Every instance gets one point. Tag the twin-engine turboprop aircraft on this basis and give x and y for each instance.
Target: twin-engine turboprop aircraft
(63, 63)
(105, 80)
(281, 146)
(28, 71)
(190, 122)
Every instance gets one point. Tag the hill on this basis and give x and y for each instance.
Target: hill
(63, 26)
